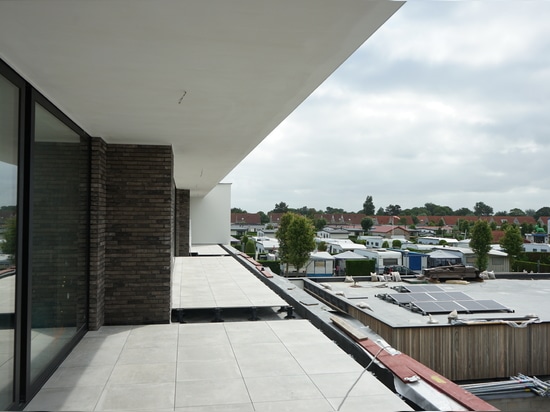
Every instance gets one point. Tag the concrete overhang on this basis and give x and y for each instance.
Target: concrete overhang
(210, 78)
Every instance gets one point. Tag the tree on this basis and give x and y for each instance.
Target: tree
(380, 211)
(512, 241)
(332, 210)
(481, 209)
(9, 246)
(368, 206)
(396, 243)
(263, 218)
(367, 223)
(543, 211)
(280, 208)
(516, 212)
(238, 210)
(296, 236)
(393, 210)
(250, 247)
(463, 211)
(319, 223)
(481, 243)
(385, 244)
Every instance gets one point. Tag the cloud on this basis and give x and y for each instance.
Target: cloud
(446, 103)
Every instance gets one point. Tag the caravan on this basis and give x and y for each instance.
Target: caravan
(383, 257)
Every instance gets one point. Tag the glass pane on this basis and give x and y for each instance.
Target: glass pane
(9, 113)
(59, 229)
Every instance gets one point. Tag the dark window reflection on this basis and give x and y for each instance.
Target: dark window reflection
(9, 103)
(59, 237)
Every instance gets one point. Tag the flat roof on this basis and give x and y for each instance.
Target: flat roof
(524, 297)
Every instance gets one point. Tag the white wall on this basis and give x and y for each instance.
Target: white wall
(211, 217)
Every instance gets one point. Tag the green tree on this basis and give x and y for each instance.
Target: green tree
(516, 212)
(393, 210)
(481, 209)
(543, 211)
(481, 243)
(264, 218)
(250, 248)
(396, 243)
(296, 236)
(463, 211)
(238, 210)
(280, 208)
(331, 210)
(385, 244)
(322, 246)
(380, 211)
(367, 223)
(512, 242)
(368, 206)
(9, 246)
(319, 223)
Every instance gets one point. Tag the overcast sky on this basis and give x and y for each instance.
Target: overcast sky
(448, 103)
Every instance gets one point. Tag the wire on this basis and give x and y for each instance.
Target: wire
(361, 375)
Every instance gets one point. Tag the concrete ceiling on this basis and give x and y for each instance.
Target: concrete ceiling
(211, 78)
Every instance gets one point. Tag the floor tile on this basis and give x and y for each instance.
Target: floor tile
(206, 353)
(238, 407)
(148, 355)
(366, 386)
(211, 392)
(150, 396)
(269, 389)
(143, 373)
(81, 356)
(207, 370)
(307, 405)
(66, 377)
(81, 398)
(255, 332)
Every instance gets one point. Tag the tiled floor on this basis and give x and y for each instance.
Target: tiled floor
(233, 366)
(218, 282)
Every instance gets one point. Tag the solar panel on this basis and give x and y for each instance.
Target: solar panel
(431, 299)
(421, 288)
(458, 296)
(404, 298)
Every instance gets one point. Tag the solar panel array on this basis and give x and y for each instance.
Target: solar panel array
(432, 299)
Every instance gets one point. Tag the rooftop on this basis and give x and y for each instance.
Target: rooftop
(525, 297)
(273, 364)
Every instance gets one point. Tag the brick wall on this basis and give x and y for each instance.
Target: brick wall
(138, 234)
(182, 222)
(98, 200)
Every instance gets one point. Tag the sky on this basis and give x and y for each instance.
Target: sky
(447, 103)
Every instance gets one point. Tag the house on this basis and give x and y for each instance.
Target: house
(333, 233)
(387, 231)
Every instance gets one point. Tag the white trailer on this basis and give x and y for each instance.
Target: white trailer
(383, 257)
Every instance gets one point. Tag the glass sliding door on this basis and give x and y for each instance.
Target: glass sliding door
(9, 141)
(59, 238)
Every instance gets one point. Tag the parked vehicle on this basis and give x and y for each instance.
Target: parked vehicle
(403, 270)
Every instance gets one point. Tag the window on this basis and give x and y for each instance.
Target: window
(9, 154)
